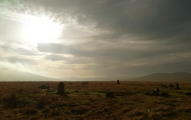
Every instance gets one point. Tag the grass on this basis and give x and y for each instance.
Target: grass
(88, 101)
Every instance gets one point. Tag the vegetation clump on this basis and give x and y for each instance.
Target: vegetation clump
(109, 95)
(44, 86)
(188, 93)
(30, 111)
(171, 85)
(10, 101)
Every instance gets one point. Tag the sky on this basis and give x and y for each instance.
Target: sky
(95, 38)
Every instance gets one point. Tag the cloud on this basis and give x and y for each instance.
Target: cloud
(123, 52)
(54, 57)
(106, 37)
(135, 59)
(20, 60)
(53, 47)
(150, 19)
(18, 49)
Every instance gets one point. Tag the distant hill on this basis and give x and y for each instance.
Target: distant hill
(13, 75)
(177, 76)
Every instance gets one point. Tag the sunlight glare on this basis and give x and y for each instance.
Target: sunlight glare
(41, 29)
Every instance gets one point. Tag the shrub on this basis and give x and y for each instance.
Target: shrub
(78, 111)
(42, 103)
(10, 101)
(55, 113)
(109, 95)
(30, 111)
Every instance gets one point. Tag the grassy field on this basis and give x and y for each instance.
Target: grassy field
(88, 101)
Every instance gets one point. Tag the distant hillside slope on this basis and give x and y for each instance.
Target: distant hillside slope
(12, 75)
(177, 76)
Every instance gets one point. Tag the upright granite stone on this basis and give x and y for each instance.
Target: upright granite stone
(156, 91)
(118, 82)
(177, 86)
(61, 90)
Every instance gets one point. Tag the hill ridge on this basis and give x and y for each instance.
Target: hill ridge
(174, 76)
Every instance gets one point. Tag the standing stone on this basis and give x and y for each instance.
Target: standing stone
(177, 86)
(118, 82)
(61, 88)
(156, 91)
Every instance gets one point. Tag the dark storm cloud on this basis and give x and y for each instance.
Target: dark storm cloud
(151, 19)
(148, 19)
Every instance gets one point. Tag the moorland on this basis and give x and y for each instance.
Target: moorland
(131, 100)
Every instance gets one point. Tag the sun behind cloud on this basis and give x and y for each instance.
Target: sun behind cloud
(41, 29)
